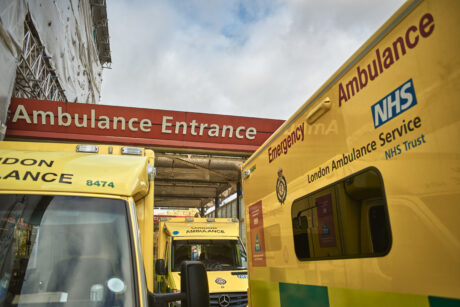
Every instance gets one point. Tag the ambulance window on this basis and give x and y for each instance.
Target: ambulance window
(348, 219)
(65, 250)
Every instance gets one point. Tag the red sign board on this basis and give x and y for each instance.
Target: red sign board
(41, 119)
(256, 226)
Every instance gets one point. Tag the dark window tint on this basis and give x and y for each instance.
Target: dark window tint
(379, 233)
(216, 255)
(348, 219)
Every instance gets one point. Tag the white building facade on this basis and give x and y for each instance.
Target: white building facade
(52, 50)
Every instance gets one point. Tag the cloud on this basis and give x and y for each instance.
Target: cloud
(249, 58)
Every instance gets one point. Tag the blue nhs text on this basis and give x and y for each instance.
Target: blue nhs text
(392, 152)
(395, 103)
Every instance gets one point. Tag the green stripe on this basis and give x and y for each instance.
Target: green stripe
(294, 295)
(343, 297)
(436, 301)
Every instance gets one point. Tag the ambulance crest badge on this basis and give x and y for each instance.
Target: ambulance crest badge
(281, 187)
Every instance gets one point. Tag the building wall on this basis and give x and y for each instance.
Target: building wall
(229, 210)
(67, 32)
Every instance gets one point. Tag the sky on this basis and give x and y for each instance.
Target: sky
(232, 57)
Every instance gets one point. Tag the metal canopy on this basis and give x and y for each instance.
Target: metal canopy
(195, 180)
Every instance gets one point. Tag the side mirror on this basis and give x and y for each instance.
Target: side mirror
(194, 282)
(194, 287)
(160, 267)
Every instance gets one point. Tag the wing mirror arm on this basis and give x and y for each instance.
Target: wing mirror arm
(194, 288)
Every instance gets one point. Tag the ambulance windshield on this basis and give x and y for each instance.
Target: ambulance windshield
(216, 255)
(64, 251)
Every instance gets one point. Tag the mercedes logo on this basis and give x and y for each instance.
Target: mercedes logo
(224, 300)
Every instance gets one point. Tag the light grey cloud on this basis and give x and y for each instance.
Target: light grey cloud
(249, 58)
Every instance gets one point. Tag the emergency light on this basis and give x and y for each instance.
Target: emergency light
(131, 151)
(88, 148)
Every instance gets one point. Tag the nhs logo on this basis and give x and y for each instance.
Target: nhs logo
(395, 103)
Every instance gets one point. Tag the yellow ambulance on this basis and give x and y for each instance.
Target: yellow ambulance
(213, 241)
(76, 228)
(354, 201)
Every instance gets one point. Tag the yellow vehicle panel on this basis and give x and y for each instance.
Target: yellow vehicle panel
(356, 122)
(178, 227)
(57, 169)
(71, 171)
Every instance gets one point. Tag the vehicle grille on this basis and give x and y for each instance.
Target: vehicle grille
(237, 299)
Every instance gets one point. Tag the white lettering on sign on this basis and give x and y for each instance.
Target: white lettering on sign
(103, 122)
(145, 125)
(165, 125)
(213, 130)
(131, 124)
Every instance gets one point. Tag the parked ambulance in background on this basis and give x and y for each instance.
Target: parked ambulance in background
(162, 213)
(354, 201)
(76, 228)
(213, 241)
